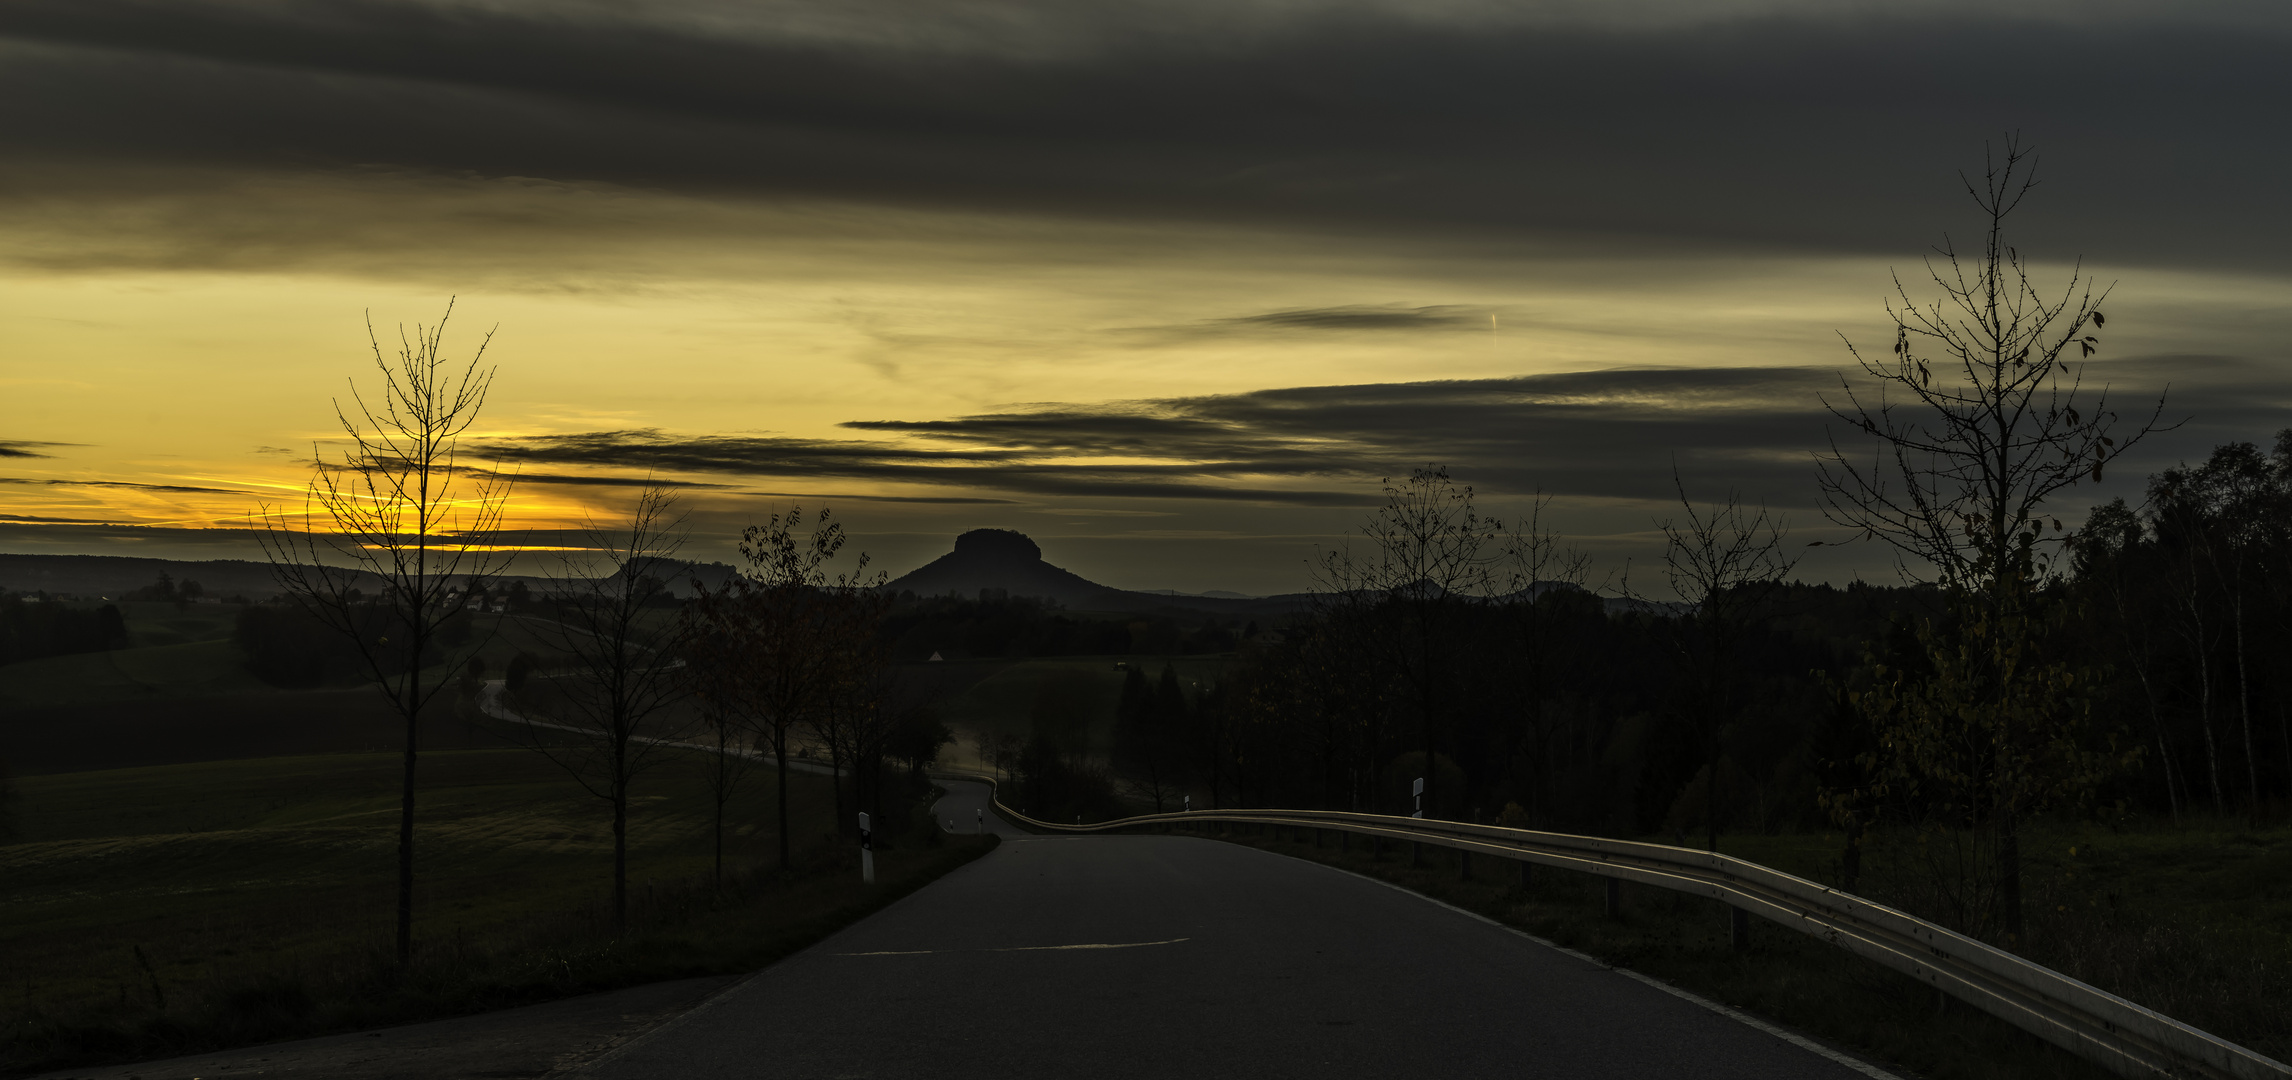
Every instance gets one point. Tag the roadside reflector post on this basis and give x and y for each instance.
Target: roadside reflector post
(1615, 904)
(982, 820)
(1417, 791)
(1738, 927)
(867, 851)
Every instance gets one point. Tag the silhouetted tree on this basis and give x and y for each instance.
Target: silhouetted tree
(1976, 421)
(623, 659)
(1726, 560)
(778, 624)
(397, 511)
(1403, 598)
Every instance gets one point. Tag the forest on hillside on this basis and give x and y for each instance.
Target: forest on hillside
(1564, 713)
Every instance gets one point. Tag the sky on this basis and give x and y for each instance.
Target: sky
(1170, 287)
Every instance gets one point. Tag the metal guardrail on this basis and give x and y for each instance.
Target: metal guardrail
(2098, 1026)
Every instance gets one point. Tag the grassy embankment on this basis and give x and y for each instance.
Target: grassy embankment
(2195, 922)
(154, 911)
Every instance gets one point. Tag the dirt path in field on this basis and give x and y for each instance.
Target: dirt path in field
(533, 1042)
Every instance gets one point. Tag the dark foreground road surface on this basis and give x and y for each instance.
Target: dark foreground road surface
(1166, 956)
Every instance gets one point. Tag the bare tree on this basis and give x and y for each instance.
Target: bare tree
(714, 674)
(855, 708)
(1978, 419)
(625, 653)
(882, 715)
(1539, 574)
(1427, 556)
(397, 513)
(1725, 559)
(774, 621)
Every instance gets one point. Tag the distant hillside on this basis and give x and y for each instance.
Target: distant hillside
(982, 559)
(93, 576)
(89, 577)
(1002, 559)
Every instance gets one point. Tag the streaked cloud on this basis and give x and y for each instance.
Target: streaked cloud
(1194, 273)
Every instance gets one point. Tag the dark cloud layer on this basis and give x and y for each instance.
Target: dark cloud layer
(593, 480)
(177, 489)
(1832, 131)
(1364, 317)
(1598, 434)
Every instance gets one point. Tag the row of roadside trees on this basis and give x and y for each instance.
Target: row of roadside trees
(398, 534)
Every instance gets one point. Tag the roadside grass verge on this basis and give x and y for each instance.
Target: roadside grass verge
(2218, 965)
(175, 909)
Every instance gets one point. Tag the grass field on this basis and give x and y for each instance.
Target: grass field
(158, 910)
(190, 669)
(190, 698)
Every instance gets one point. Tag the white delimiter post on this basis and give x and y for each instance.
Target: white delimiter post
(867, 852)
(1418, 789)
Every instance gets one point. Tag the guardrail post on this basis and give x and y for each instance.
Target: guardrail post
(1464, 866)
(1615, 898)
(1344, 840)
(1416, 854)
(1738, 928)
(1527, 873)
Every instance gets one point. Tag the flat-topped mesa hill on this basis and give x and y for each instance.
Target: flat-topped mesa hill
(1006, 560)
(1010, 561)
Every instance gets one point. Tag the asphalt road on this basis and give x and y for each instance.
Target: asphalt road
(1168, 956)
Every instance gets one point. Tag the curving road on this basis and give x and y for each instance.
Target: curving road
(1167, 956)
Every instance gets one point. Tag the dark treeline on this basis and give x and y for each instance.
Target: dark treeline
(959, 627)
(1556, 708)
(32, 627)
(2187, 601)
(1553, 709)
